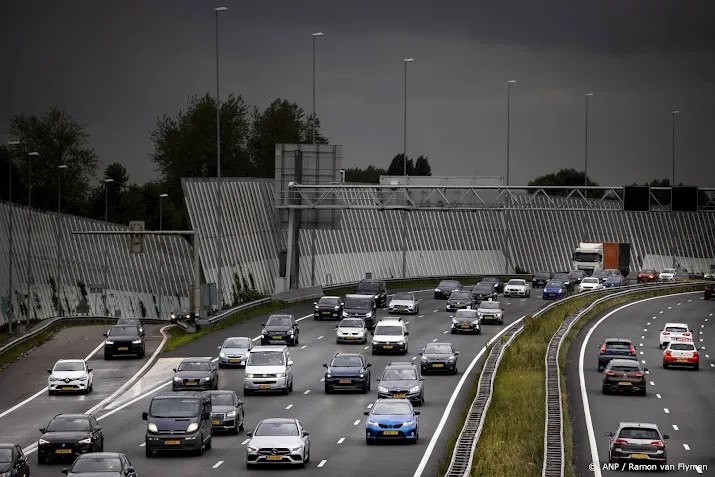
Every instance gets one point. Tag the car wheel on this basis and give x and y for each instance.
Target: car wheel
(307, 457)
(290, 387)
(478, 332)
(220, 366)
(209, 444)
(107, 356)
(368, 441)
(247, 392)
(696, 367)
(243, 420)
(453, 332)
(200, 450)
(604, 390)
(41, 459)
(456, 371)
(148, 452)
(328, 390)
(643, 393)
(665, 365)
(365, 388)
(296, 340)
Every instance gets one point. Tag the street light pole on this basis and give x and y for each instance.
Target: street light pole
(11, 288)
(58, 279)
(674, 114)
(106, 246)
(404, 134)
(672, 233)
(317, 158)
(315, 35)
(585, 151)
(28, 303)
(161, 262)
(219, 201)
(508, 125)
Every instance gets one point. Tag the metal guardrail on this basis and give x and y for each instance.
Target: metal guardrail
(553, 429)
(434, 278)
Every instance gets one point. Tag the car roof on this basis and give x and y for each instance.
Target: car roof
(72, 360)
(401, 364)
(100, 454)
(493, 301)
(279, 420)
(622, 340)
(179, 394)
(445, 343)
(222, 391)
(624, 362)
(354, 295)
(238, 338)
(645, 425)
(329, 296)
(183, 360)
(389, 318)
(72, 416)
(676, 324)
(274, 348)
(392, 401)
(280, 315)
(491, 279)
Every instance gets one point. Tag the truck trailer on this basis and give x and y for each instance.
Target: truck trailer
(594, 256)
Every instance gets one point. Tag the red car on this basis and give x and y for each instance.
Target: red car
(646, 276)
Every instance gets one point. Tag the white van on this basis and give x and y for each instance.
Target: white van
(390, 335)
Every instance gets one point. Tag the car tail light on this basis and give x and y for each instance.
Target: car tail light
(639, 375)
(603, 348)
(696, 354)
(666, 333)
(657, 443)
(610, 373)
(686, 334)
(620, 441)
(633, 350)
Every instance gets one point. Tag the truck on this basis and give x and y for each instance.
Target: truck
(594, 256)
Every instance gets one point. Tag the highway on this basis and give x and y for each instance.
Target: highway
(25, 405)
(679, 401)
(336, 422)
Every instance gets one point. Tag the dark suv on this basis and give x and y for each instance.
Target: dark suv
(348, 371)
(375, 288)
(280, 329)
(69, 435)
(124, 340)
(402, 380)
(178, 422)
(540, 279)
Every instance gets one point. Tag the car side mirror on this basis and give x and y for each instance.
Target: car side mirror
(105, 335)
(609, 434)
(422, 379)
(336, 327)
(130, 470)
(342, 304)
(645, 369)
(421, 353)
(417, 413)
(263, 324)
(367, 413)
(660, 330)
(456, 353)
(378, 379)
(42, 430)
(666, 436)
(249, 434)
(142, 334)
(368, 365)
(65, 471)
(325, 365)
(173, 369)
(315, 303)
(98, 428)
(306, 434)
(145, 416)
(290, 363)
(49, 371)
(89, 370)
(407, 333)
(372, 333)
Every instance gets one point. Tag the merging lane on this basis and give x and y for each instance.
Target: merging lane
(679, 401)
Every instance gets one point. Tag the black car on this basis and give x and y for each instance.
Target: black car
(348, 371)
(374, 288)
(615, 348)
(124, 340)
(226, 412)
(495, 282)
(460, 300)
(195, 374)
(13, 461)
(565, 278)
(466, 321)
(106, 464)
(328, 307)
(576, 276)
(69, 435)
(601, 275)
(361, 306)
(131, 321)
(709, 291)
(439, 358)
(180, 314)
(445, 288)
(540, 279)
(280, 329)
(402, 381)
(177, 422)
(484, 292)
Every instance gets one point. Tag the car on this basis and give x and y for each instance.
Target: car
(12, 459)
(576, 276)
(195, 374)
(402, 380)
(390, 336)
(624, 375)
(681, 354)
(392, 419)
(614, 281)
(278, 441)
(351, 330)
(491, 311)
(131, 321)
(106, 464)
(565, 278)
(180, 314)
(374, 288)
(682, 274)
(269, 368)
(708, 292)
(124, 340)
(638, 442)
(361, 306)
(590, 284)
(234, 351)
(280, 329)
(466, 321)
(347, 371)
(601, 275)
(674, 332)
(68, 435)
(540, 279)
(460, 299)
(439, 358)
(328, 307)
(445, 288)
(648, 275)
(495, 282)
(178, 422)
(227, 412)
(517, 287)
(484, 292)
(404, 302)
(667, 275)
(70, 375)
(615, 348)
(553, 290)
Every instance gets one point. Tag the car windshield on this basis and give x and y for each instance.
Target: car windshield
(542, 275)
(639, 433)
(601, 273)
(68, 424)
(586, 257)
(668, 270)
(589, 280)
(89, 464)
(122, 330)
(460, 295)
(435, 348)
(175, 407)
(279, 321)
(554, 284)
(466, 314)
(277, 429)
(222, 399)
(490, 305)
(618, 345)
(5, 456)
(403, 296)
(399, 374)
(490, 280)
(347, 362)
(351, 324)
(69, 366)
(266, 358)
(562, 276)
(448, 284)
(676, 329)
(389, 330)
(237, 343)
(517, 283)
(329, 300)
(576, 273)
(682, 347)
(194, 366)
(358, 303)
(482, 289)
(649, 272)
(128, 321)
(613, 278)
(368, 287)
(394, 408)
(626, 368)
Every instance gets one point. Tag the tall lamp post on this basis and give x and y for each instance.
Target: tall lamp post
(28, 303)
(315, 36)
(315, 214)
(508, 125)
(106, 245)
(404, 133)
(161, 262)
(219, 201)
(672, 134)
(58, 278)
(585, 150)
(11, 288)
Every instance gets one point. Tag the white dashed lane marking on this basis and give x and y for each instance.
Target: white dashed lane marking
(666, 410)
(668, 308)
(356, 422)
(447, 331)
(369, 406)
(341, 440)
(643, 361)
(648, 324)
(307, 391)
(661, 312)
(640, 344)
(658, 396)
(366, 347)
(645, 329)
(642, 337)
(304, 346)
(422, 316)
(322, 379)
(435, 311)
(322, 463)
(289, 406)
(217, 464)
(686, 446)
(142, 444)
(702, 326)
(641, 351)
(652, 383)
(434, 340)
(675, 428)
(679, 304)
(407, 322)
(319, 338)
(414, 358)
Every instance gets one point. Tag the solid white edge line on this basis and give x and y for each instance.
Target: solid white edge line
(582, 380)
(447, 411)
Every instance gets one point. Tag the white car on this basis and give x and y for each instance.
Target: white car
(667, 275)
(491, 311)
(404, 302)
(683, 353)
(390, 335)
(590, 284)
(517, 287)
(675, 332)
(70, 375)
(351, 330)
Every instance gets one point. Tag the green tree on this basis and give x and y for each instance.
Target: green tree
(59, 139)
(397, 166)
(564, 177)
(371, 175)
(422, 167)
(9, 170)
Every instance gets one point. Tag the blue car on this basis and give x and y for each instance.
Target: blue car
(553, 290)
(392, 419)
(614, 281)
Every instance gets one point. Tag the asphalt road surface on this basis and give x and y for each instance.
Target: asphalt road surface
(26, 406)
(336, 421)
(679, 401)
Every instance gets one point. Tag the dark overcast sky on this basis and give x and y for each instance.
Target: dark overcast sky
(117, 66)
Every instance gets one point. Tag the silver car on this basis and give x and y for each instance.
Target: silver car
(351, 330)
(269, 368)
(278, 441)
(404, 302)
(491, 311)
(637, 443)
(234, 351)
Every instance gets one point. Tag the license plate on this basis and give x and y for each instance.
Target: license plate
(552, 294)
(326, 313)
(391, 433)
(264, 386)
(682, 361)
(465, 326)
(488, 317)
(388, 347)
(345, 381)
(63, 451)
(67, 388)
(216, 421)
(277, 337)
(440, 365)
(349, 337)
(400, 396)
(191, 383)
(458, 305)
(234, 360)
(625, 383)
(172, 443)
(274, 457)
(123, 348)
(639, 456)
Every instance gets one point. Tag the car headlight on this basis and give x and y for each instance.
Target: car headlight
(193, 427)
(372, 423)
(408, 423)
(316, 308)
(54, 379)
(151, 427)
(454, 322)
(249, 375)
(437, 290)
(424, 360)
(416, 389)
(173, 315)
(222, 354)
(280, 375)
(84, 378)
(400, 342)
(252, 449)
(176, 378)
(231, 414)
(345, 314)
(296, 449)
(382, 389)
(362, 375)
(451, 358)
(328, 375)
(290, 332)
(476, 322)
(109, 342)
(136, 342)
(85, 441)
(368, 314)
(264, 332)
(42, 441)
(336, 308)
(206, 378)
